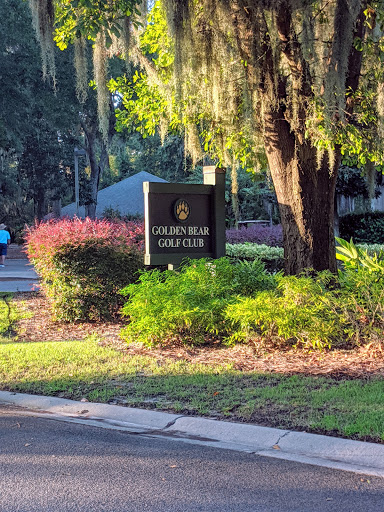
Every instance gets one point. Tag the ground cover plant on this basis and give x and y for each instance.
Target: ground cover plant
(242, 302)
(262, 235)
(84, 263)
(190, 303)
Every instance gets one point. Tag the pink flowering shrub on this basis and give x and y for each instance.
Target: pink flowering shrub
(262, 235)
(84, 263)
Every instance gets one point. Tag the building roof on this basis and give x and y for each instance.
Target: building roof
(126, 197)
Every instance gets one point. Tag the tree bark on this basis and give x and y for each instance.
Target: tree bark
(305, 193)
(97, 165)
(305, 188)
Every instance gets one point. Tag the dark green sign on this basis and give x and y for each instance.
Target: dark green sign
(183, 221)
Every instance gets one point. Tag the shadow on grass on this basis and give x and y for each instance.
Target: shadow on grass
(319, 405)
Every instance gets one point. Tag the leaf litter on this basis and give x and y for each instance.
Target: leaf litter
(259, 356)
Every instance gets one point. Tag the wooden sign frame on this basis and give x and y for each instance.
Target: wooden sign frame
(185, 221)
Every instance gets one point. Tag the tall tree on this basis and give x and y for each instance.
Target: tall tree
(282, 73)
(299, 63)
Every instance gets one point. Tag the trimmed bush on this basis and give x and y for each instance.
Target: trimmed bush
(272, 257)
(366, 228)
(272, 236)
(188, 304)
(84, 263)
(300, 310)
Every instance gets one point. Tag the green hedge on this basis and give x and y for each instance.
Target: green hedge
(83, 264)
(367, 228)
(88, 279)
(272, 257)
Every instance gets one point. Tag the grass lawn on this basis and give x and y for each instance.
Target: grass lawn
(89, 369)
(84, 369)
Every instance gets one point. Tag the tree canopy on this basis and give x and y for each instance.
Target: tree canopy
(300, 81)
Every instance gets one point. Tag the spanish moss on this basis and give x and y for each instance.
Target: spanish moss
(43, 17)
(81, 67)
(100, 74)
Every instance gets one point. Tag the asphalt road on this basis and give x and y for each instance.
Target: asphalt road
(47, 465)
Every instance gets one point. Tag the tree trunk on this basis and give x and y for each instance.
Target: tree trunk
(93, 182)
(56, 208)
(235, 195)
(40, 204)
(305, 188)
(305, 193)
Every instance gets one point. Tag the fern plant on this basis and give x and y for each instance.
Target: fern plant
(354, 257)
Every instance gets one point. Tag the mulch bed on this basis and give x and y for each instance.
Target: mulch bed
(363, 362)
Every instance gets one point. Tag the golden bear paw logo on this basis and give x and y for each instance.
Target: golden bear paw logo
(182, 210)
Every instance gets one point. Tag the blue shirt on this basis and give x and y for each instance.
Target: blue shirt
(4, 236)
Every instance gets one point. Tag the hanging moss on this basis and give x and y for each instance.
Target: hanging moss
(344, 20)
(81, 67)
(43, 16)
(192, 143)
(100, 75)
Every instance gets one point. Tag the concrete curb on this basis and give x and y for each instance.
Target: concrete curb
(331, 452)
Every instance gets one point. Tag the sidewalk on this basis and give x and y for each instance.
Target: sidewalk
(331, 452)
(18, 275)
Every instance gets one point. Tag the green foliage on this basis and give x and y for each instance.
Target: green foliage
(89, 17)
(301, 310)
(363, 302)
(83, 264)
(272, 257)
(351, 182)
(88, 277)
(363, 227)
(251, 277)
(362, 283)
(354, 257)
(33, 168)
(240, 302)
(189, 303)
(130, 153)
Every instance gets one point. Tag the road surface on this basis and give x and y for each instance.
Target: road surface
(53, 466)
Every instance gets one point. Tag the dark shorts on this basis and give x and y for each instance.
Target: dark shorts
(3, 249)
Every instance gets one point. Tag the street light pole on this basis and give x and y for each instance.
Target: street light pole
(77, 153)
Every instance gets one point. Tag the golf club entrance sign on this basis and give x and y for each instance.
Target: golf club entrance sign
(185, 221)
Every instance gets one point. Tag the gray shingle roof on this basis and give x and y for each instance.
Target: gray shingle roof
(126, 196)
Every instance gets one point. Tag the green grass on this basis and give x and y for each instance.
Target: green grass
(73, 369)
(10, 312)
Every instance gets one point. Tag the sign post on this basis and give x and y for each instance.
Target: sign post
(185, 221)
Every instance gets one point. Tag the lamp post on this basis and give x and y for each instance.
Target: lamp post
(77, 153)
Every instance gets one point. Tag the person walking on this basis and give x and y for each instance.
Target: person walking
(5, 240)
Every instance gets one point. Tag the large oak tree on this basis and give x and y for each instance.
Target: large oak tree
(281, 73)
(300, 62)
